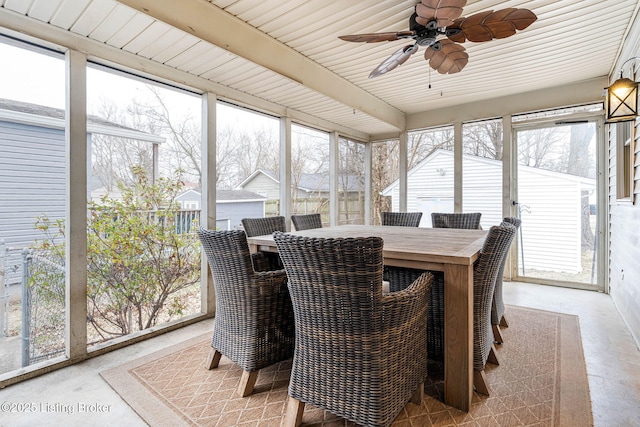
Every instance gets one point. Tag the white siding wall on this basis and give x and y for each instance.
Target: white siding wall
(229, 215)
(32, 183)
(551, 231)
(263, 186)
(429, 189)
(624, 245)
(482, 190)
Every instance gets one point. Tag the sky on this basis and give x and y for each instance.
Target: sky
(40, 79)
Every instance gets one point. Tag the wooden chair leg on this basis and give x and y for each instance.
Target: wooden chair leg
(497, 335)
(213, 359)
(480, 382)
(503, 322)
(418, 395)
(247, 381)
(293, 416)
(493, 356)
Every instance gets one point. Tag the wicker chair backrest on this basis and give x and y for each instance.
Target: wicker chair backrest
(402, 219)
(263, 226)
(456, 220)
(306, 222)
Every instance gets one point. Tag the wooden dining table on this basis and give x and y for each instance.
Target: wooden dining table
(452, 251)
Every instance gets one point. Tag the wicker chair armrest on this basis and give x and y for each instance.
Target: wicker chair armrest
(402, 305)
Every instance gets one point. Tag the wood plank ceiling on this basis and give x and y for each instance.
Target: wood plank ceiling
(287, 51)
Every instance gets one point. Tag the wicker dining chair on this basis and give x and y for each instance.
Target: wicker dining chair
(254, 324)
(485, 273)
(307, 221)
(402, 219)
(261, 227)
(360, 354)
(497, 306)
(456, 220)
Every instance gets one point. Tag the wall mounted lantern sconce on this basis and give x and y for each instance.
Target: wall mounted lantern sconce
(622, 98)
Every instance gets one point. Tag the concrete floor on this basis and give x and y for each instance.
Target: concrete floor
(612, 357)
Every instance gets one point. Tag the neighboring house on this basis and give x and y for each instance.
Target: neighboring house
(231, 206)
(33, 171)
(309, 185)
(189, 199)
(551, 229)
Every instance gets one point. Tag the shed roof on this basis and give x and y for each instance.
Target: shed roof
(42, 115)
(229, 196)
(311, 182)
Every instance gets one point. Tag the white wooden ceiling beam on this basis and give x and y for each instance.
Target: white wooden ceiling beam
(578, 93)
(210, 23)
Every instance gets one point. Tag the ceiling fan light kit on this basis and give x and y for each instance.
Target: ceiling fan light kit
(437, 26)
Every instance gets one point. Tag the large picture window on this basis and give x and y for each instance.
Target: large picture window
(33, 180)
(385, 172)
(143, 266)
(309, 172)
(482, 170)
(248, 166)
(351, 182)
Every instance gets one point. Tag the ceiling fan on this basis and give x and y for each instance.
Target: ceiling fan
(434, 18)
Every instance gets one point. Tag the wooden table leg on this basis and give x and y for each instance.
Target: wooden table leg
(458, 335)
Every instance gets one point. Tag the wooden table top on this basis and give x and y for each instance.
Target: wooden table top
(404, 246)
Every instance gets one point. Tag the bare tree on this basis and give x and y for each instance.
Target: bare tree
(351, 180)
(423, 143)
(309, 157)
(483, 139)
(578, 163)
(536, 148)
(241, 152)
(385, 170)
(183, 148)
(114, 158)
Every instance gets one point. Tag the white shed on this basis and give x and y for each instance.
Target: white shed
(551, 228)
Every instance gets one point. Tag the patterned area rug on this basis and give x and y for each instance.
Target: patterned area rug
(541, 381)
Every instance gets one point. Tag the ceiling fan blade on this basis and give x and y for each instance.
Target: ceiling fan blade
(378, 37)
(489, 25)
(399, 57)
(445, 11)
(450, 59)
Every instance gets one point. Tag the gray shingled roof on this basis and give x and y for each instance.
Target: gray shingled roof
(56, 113)
(320, 181)
(237, 195)
(231, 195)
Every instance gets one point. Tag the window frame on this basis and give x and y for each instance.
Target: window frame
(625, 149)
